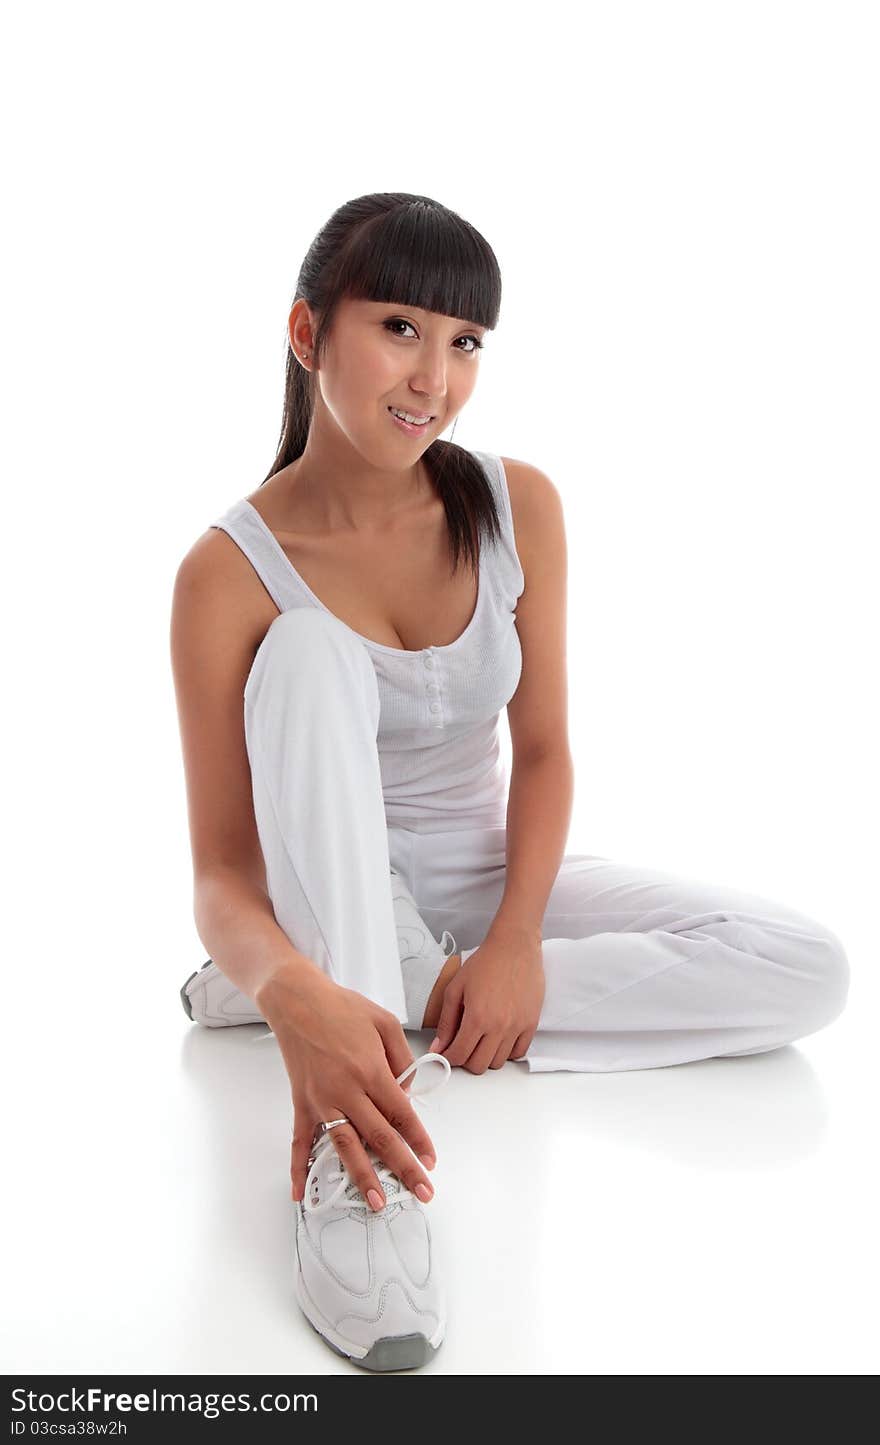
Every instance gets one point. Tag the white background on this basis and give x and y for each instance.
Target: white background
(683, 201)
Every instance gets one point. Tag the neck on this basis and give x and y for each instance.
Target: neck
(338, 490)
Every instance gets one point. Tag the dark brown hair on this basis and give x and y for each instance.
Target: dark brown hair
(410, 251)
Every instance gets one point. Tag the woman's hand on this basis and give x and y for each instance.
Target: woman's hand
(491, 1007)
(343, 1054)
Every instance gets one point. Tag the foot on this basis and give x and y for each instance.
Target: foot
(367, 1280)
(209, 998)
(425, 964)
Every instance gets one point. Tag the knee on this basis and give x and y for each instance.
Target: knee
(813, 976)
(830, 977)
(303, 643)
(302, 631)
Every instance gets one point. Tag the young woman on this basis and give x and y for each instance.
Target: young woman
(344, 640)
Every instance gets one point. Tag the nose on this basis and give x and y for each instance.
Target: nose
(428, 380)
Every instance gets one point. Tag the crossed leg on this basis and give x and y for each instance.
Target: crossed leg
(644, 968)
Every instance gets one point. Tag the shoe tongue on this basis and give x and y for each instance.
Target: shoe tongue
(327, 1161)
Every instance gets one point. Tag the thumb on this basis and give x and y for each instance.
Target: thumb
(450, 1013)
(398, 1053)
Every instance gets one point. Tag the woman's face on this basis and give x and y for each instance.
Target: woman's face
(381, 355)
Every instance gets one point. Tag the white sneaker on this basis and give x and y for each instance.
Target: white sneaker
(209, 998)
(421, 956)
(367, 1280)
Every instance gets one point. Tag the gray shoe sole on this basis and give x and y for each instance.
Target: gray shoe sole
(395, 1352)
(184, 997)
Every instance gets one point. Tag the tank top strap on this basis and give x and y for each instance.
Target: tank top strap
(245, 526)
(285, 586)
(505, 564)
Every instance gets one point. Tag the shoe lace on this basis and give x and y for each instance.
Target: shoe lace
(397, 1191)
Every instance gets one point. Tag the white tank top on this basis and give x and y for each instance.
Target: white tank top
(438, 740)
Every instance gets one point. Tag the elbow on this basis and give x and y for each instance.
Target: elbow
(559, 753)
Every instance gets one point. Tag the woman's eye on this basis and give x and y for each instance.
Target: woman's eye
(399, 321)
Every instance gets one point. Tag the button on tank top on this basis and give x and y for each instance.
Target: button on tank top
(438, 740)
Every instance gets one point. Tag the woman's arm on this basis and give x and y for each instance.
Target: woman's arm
(217, 623)
(539, 810)
(542, 777)
(236, 923)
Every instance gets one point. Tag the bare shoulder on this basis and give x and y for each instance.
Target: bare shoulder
(536, 506)
(215, 575)
(213, 558)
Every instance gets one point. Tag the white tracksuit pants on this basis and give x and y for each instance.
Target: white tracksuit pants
(643, 969)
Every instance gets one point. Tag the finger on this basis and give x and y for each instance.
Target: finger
(521, 1046)
(396, 1104)
(356, 1162)
(450, 1014)
(397, 1110)
(483, 1054)
(375, 1131)
(300, 1149)
(502, 1053)
(397, 1050)
(464, 1042)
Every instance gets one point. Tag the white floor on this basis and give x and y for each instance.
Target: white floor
(714, 1218)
